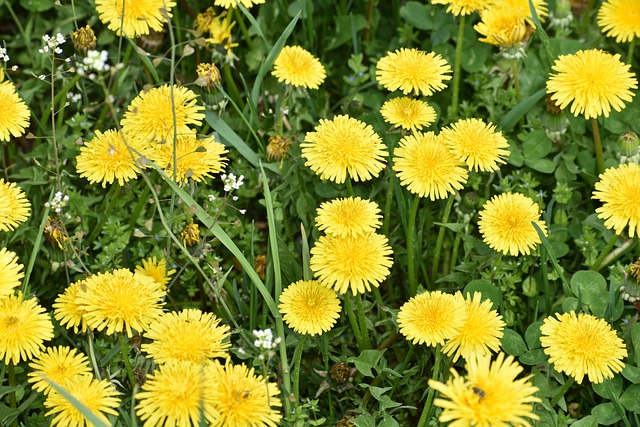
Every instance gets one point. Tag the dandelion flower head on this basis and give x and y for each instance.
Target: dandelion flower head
(620, 19)
(431, 317)
(505, 223)
(413, 70)
(234, 3)
(309, 308)
(15, 113)
(408, 113)
(582, 344)
(462, 7)
(59, 364)
(501, 26)
(350, 216)
(67, 310)
(489, 395)
(134, 18)
(426, 166)
(10, 272)
(157, 270)
(344, 146)
(298, 67)
(522, 8)
(14, 206)
(618, 190)
(592, 81)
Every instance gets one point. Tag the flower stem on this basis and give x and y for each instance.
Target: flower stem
(364, 331)
(12, 383)
(596, 265)
(597, 144)
(92, 355)
(127, 363)
(516, 79)
(632, 45)
(428, 403)
(297, 357)
(347, 182)
(411, 253)
(561, 392)
(440, 241)
(352, 320)
(456, 70)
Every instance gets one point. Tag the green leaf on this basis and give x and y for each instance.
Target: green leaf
(606, 414)
(512, 343)
(510, 119)
(515, 154)
(536, 145)
(590, 287)
(37, 5)
(533, 357)
(605, 388)
(487, 289)
(379, 394)
(629, 398)
(570, 304)
(367, 361)
(144, 58)
(631, 373)
(588, 421)
(388, 421)
(418, 15)
(364, 421)
(453, 226)
(346, 27)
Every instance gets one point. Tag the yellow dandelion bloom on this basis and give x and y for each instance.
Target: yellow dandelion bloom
(425, 165)
(15, 113)
(309, 308)
(111, 156)
(244, 399)
(462, 7)
(481, 332)
(619, 190)
(197, 159)
(505, 223)
(413, 70)
(592, 81)
(25, 325)
(10, 272)
(350, 216)
(351, 262)
(501, 26)
(298, 67)
(582, 344)
(151, 114)
(208, 75)
(134, 18)
(407, 113)
(157, 270)
(522, 8)
(99, 397)
(189, 335)
(490, 395)
(620, 19)
(176, 394)
(431, 318)
(58, 364)
(344, 146)
(68, 311)
(477, 143)
(233, 3)
(120, 301)
(190, 234)
(14, 206)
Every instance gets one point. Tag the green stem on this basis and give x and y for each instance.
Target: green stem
(426, 411)
(436, 256)
(297, 357)
(597, 144)
(232, 86)
(632, 45)
(347, 182)
(454, 251)
(125, 358)
(352, 320)
(561, 392)
(12, 396)
(596, 265)
(92, 355)
(411, 253)
(516, 79)
(456, 70)
(325, 359)
(243, 28)
(364, 331)
(105, 211)
(134, 419)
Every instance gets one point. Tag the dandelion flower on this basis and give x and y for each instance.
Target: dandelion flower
(407, 113)
(14, 206)
(157, 270)
(462, 7)
(67, 310)
(10, 273)
(25, 325)
(197, 159)
(15, 113)
(489, 395)
(176, 394)
(431, 318)
(134, 18)
(505, 223)
(111, 156)
(151, 114)
(189, 335)
(120, 301)
(582, 344)
(521, 7)
(58, 364)
(297, 67)
(427, 167)
(477, 143)
(99, 397)
(244, 399)
(592, 81)
(619, 190)
(501, 26)
(233, 3)
(481, 332)
(309, 307)
(413, 70)
(344, 146)
(620, 19)
(351, 262)
(350, 216)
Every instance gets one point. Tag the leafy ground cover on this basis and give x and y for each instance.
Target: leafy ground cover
(319, 213)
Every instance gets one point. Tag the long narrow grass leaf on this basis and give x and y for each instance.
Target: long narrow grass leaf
(551, 254)
(541, 32)
(510, 119)
(146, 60)
(254, 24)
(90, 416)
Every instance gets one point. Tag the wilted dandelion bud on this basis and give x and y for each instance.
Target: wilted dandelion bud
(628, 143)
(84, 39)
(208, 75)
(277, 147)
(190, 235)
(340, 373)
(53, 233)
(151, 42)
(552, 107)
(630, 288)
(470, 201)
(260, 266)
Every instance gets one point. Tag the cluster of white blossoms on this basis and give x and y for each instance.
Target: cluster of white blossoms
(3, 55)
(52, 43)
(58, 203)
(231, 182)
(264, 339)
